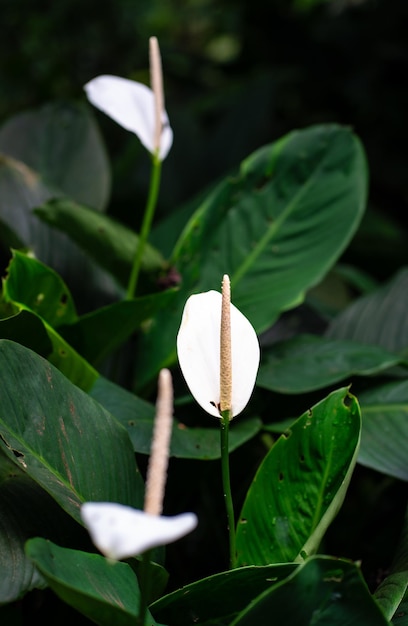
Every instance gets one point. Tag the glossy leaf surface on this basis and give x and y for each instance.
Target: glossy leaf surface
(301, 484)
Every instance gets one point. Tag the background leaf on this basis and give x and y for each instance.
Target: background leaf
(385, 429)
(284, 516)
(309, 362)
(63, 144)
(137, 417)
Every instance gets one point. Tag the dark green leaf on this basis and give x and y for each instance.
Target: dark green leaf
(310, 362)
(189, 443)
(385, 429)
(111, 244)
(96, 334)
(217, 599)
(62, 143)
(61, 437)
(322, 592)
(301, 484)
(106, 592)
(379, 318)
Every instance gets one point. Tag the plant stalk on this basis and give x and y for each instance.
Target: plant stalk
(226, 483)
(154, 188)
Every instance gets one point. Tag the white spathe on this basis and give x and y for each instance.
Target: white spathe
(119, 531)
(132, 105)
(198, 348)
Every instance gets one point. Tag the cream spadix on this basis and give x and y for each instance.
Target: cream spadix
(198, 348)
(120, 531)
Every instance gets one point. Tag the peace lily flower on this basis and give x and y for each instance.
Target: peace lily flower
(120, 531)
(205, 357)
(135, 106)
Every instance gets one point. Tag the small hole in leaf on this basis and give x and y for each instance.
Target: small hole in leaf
(243, 521)
(64, 298)
(280, 476)
(302, 458)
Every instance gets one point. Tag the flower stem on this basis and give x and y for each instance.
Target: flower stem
(226, 483)
(146, 225)
(144, 584)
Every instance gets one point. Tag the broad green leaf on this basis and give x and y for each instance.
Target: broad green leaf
(322, 592)
(106, 592)
(379, 318)
(271, 229)
(111, 244)
(401, 616)
(137, 416)
(219, 598)
(39, 289)
(385, 429)
(309, 362)
(301, 483)
(35, 288)
(96, 334)
(62, 438)
(26, 511)
(62, 143)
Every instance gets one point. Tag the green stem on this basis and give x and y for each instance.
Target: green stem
(146, 225)
(226, 483)
(144, 584)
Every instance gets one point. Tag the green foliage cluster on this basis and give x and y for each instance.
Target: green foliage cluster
(319, 456)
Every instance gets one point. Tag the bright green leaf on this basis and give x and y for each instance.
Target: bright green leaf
(301, 484)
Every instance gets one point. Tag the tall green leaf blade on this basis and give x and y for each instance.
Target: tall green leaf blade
(284, 516)
(271, 229)
(322, 592)
(61, 437)
(107, 593)
(309, 362)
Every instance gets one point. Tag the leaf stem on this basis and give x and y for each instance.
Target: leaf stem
(226, 483)
(146, 225)
(144, 584)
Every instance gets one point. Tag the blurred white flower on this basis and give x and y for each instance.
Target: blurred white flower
(135, 106)
(120, 531)
(198, 348)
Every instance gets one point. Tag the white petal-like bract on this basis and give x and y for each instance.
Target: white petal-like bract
(130, 104)
(198, 348)
(119, 531)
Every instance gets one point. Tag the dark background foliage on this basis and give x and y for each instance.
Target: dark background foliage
(238, 74)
